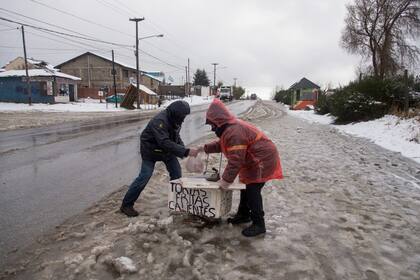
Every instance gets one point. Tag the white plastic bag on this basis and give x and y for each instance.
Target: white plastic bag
(195, 164)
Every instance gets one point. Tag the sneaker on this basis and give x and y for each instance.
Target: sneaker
(129, 211)
(254, 230)
(238, 219)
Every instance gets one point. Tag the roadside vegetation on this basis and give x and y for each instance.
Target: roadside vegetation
(384, 34)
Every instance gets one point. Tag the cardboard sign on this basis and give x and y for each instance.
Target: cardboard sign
(199, 197)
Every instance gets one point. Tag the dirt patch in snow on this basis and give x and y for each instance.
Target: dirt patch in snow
(347, 209)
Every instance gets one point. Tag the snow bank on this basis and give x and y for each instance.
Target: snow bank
(192, 100)
(390, 132)
(91, 105)
(87, 105)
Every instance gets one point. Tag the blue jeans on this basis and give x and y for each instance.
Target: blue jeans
(146, 171)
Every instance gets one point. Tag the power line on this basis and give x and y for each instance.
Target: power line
(50, 49)
(57, 34)
(47, 23)
(62, 42)
(114, 8)
(82, 19)
(62, 33)
(7, 29)
(70, 14)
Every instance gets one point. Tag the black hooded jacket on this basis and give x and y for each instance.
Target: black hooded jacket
(160, 139)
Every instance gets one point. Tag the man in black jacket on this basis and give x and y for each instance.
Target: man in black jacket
(159, 141)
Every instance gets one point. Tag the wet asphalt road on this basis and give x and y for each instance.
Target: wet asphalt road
(50, 174)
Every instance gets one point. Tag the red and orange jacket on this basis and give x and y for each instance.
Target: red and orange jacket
(249, 151)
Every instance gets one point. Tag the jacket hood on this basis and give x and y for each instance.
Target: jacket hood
(177, 111)
(218, 114)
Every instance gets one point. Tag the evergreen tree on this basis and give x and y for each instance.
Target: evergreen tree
(238, 92)
(201, 79)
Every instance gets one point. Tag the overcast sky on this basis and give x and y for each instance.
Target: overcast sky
(261, 43)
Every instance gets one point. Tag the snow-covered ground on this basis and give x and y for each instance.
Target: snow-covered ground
(91, 105)
(84, 105)
(390, 132)
(346, 209)
(193, 100)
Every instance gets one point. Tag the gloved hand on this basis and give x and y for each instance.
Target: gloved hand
(223, 184)
(193, 152)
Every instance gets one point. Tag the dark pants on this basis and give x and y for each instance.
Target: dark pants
(251, 203)
(146, 171)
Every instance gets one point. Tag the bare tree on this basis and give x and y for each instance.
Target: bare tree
(384, 31)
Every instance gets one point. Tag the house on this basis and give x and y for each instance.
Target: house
(96, 73)
(148, 96)
(152, 79)
(19, 64)
(46, 86)
(304, 93)
(172, 91)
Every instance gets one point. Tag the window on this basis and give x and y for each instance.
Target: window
(43, 88)
(125, 73)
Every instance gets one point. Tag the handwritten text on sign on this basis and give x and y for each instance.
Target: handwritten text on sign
(193, 201)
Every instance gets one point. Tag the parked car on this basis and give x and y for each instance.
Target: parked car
(111, 98)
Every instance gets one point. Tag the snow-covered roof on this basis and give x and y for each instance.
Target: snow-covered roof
(159, 78)
(37, 73)
(40, 63)
(145, 89)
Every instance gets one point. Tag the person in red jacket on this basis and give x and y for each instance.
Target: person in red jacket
(251, 155)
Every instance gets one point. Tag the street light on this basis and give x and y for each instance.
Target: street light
(136, 20)
(151, 36)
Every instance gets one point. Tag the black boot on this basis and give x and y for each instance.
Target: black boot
(129, 211)
(254, 229)
(239, 219)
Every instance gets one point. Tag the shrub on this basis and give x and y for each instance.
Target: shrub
(323, 104)
(364, 100)
(351, 106)
(283, 96)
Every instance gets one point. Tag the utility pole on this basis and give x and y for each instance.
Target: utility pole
(28, 83)
(115, 84)
(214, 77)
(139, 96)
(188, 79)
(234, 79)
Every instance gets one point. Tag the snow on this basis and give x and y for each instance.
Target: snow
(390, 132)
(91, 105)
(37, 73)
(40, 63)
(193, 100)
(145, 89)
(124, 265)
(264, 93)
(150, 75)
(346, 209)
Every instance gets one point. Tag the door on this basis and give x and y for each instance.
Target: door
(71, 92)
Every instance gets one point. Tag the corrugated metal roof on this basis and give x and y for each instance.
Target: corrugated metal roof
(145, 89)
(37, 73)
